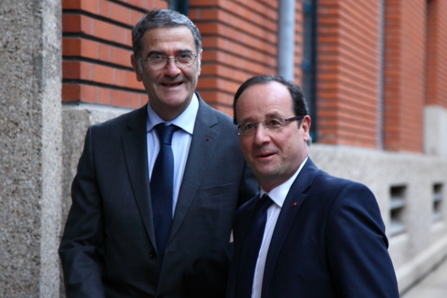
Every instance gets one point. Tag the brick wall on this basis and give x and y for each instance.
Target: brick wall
(348, 72)
(404, 74)
(436, 47)
(299, 28)
(239, 41)
(96, 46)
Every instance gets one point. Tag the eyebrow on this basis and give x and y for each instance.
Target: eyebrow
(183, 51)
(268, 116)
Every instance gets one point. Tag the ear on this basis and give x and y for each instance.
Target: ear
(134, 62)
(305, 124)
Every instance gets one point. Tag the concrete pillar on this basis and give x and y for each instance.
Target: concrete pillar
(30, 147)
(435, 131)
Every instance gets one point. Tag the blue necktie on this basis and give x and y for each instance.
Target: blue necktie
(250, 248)
(162, 187)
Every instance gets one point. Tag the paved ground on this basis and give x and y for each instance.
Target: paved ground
(433, 286)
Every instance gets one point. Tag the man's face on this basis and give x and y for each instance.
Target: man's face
(273, 155)
(170, 88)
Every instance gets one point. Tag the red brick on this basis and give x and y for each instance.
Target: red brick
(240, 40)
(70, 93)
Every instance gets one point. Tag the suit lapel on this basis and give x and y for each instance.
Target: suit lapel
(289, 211)
(240, 225)
(134, 145)
(204, 140)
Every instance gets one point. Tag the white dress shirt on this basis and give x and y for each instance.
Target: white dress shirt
(181, 142)
(278, 196)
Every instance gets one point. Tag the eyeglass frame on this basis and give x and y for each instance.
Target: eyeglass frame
(169, 59)
(256, 124)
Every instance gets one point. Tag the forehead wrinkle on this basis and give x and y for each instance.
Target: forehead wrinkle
(273, 114)
(169, 38)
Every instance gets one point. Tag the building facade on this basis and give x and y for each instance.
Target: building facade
(374, 74)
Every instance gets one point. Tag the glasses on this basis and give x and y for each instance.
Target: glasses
(158, 61)
(249, 128)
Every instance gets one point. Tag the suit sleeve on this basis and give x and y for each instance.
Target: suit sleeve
(357, 245)
(80, 248)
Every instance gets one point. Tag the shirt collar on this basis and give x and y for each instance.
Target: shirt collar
(183, 120)
(279, 193)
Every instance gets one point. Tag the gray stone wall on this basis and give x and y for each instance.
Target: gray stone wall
(435, 131)
(30, 147)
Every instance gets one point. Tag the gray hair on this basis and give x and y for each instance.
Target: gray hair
(159, 18)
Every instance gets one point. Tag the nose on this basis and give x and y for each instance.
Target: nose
(171, 68)
(261, 135)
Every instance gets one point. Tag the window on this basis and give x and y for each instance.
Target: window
(181, 6)
(437, 201)
(397, 208)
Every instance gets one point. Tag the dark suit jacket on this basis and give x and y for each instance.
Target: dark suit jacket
(108, 244)
(329, 241)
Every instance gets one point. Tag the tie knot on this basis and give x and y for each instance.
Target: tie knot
(264, 203)
(165, 133)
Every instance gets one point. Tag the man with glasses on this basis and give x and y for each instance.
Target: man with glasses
(306, 234)
(156, 188)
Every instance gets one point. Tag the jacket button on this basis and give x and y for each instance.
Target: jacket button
(152, 254)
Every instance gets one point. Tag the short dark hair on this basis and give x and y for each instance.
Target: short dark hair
(158, 18)
(299, 104)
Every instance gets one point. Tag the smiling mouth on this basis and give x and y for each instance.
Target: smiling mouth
(263, 155)
(171, 84)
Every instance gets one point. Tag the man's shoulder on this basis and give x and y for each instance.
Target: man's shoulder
(329, 181)
(324, 181)
(131, 118)
(329, 188)
(207, 111)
